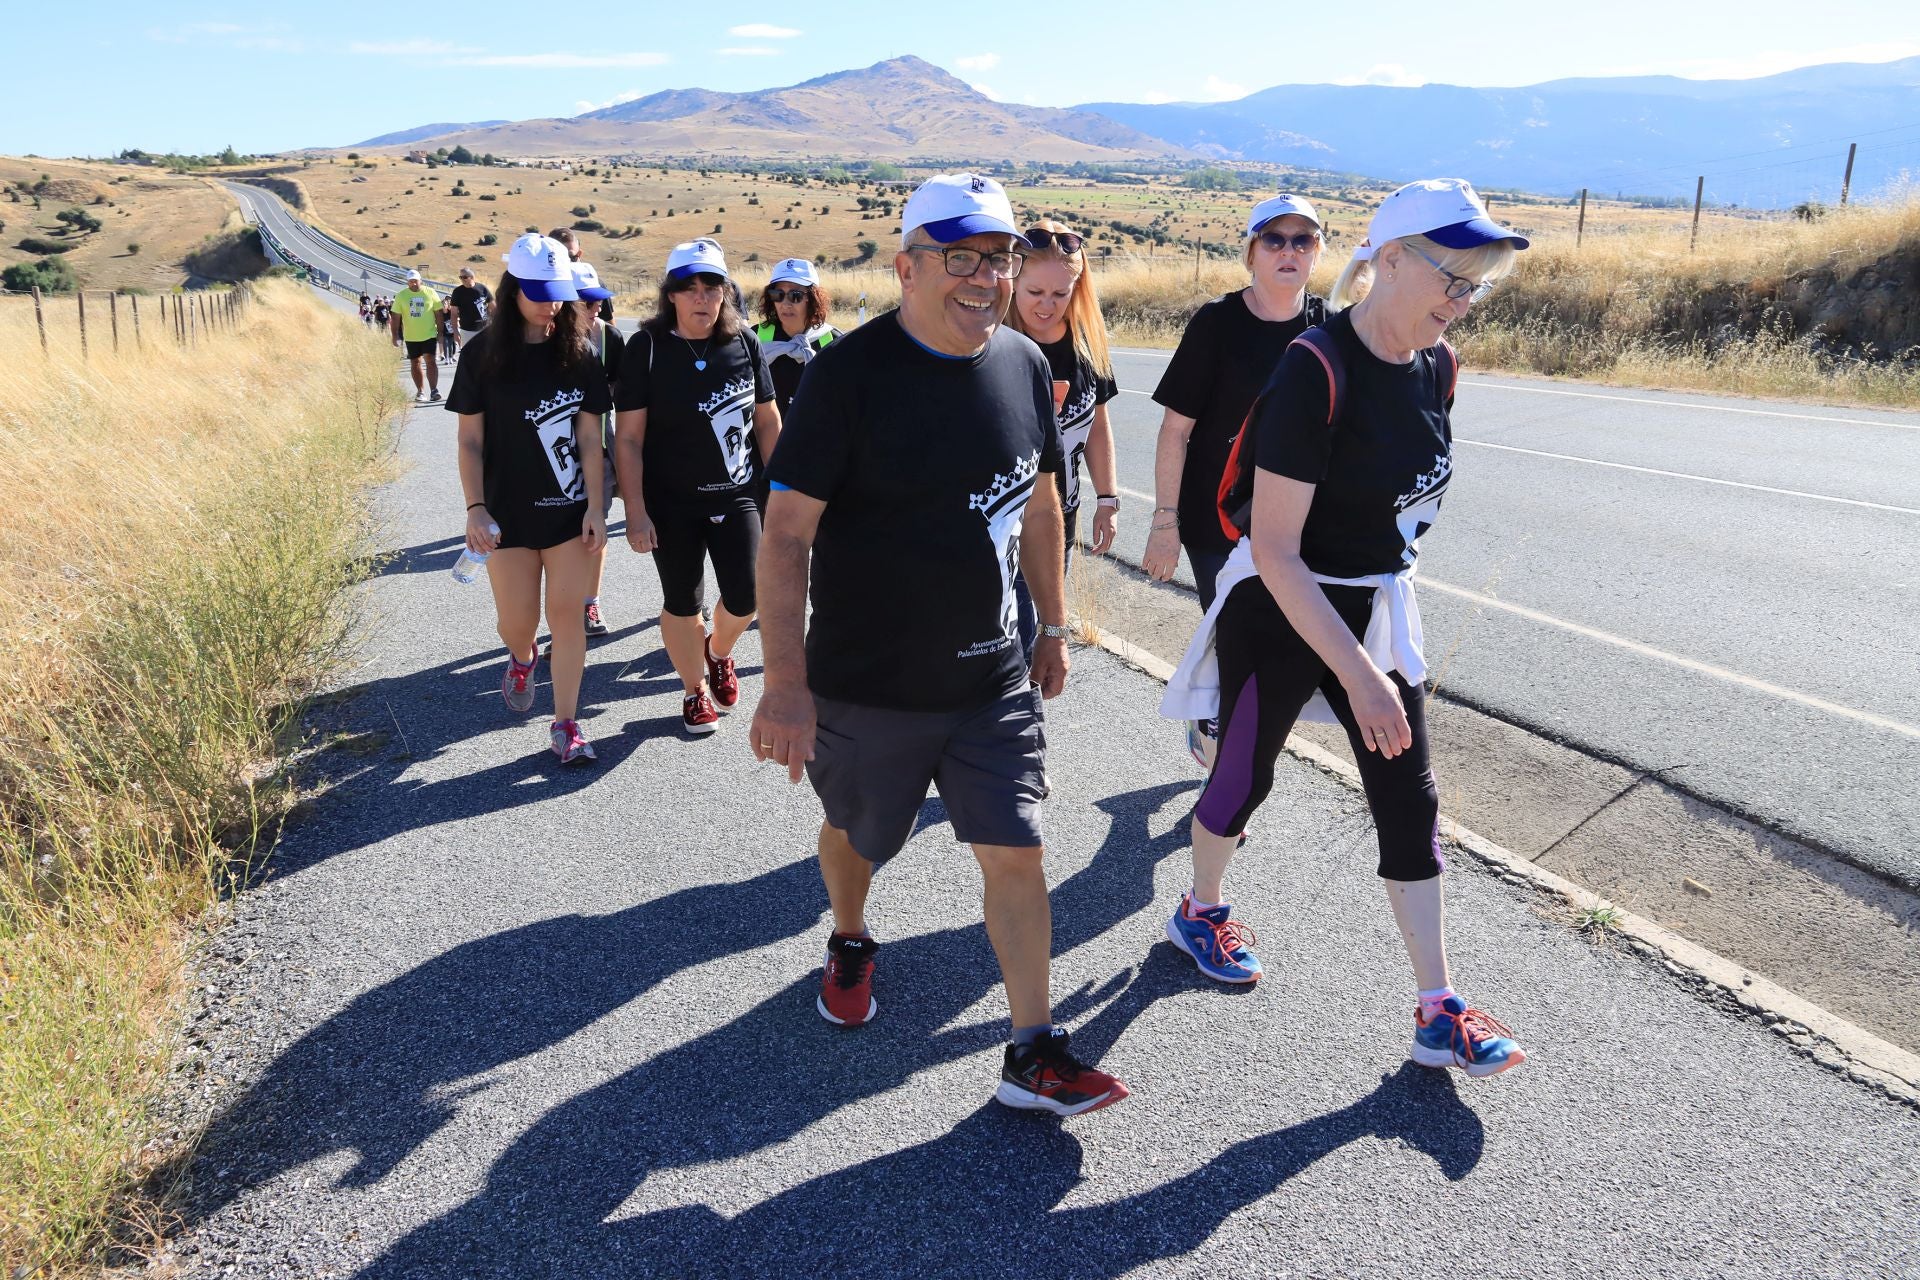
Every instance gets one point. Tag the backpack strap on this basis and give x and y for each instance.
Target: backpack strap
(1318, 341)
(1234, 501)
(1447, 363)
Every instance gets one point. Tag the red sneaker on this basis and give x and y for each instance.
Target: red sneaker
(721, 679)
(1043, 1076)
(846, 989)
(697, 713)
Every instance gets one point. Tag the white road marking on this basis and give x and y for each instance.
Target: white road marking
(1683, 475)
(1690, 664)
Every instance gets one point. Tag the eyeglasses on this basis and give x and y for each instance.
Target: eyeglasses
(778, 296)
(1069, 241)
(1305, 242)
(1004, 264)
(1459, 287)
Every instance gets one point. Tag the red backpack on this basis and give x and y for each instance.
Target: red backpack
(1236, 482)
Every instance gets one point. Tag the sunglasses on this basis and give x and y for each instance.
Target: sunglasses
(1069, 241)
(705, 280)
(1305, 242)
(778, 296)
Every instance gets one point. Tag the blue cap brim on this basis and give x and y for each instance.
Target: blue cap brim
(590, 293)
(1473, 233)
(549, 290)
(698, 269)
(948, 230)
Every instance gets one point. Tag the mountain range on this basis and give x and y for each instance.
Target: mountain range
(1772, 140)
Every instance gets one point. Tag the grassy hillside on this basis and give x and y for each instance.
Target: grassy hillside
(165, 215)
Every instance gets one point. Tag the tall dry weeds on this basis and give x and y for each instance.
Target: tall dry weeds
(181, 527)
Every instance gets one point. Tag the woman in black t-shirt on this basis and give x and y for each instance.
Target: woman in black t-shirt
(793, 326)
(1353, 454)
(696, 423)
(530, 396)
(1055, 304)
(607, 345)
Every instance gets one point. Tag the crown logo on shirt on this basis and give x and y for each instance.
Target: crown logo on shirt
(561, 400)
(735, 388)
(1425, 484)
(1022, 475)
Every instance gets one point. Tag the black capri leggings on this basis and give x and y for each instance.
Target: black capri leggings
(730, 534)
(1267, 673)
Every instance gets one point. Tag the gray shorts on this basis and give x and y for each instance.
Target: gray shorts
(871, 767)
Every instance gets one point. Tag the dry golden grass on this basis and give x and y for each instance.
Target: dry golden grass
(164, 214)
(182, 526)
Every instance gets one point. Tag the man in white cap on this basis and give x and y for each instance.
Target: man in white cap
(919, 467)
(416, 321)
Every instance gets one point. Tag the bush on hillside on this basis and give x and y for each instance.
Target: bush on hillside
(231, 255)
(49, 275)
(587, 224)
(34, 244)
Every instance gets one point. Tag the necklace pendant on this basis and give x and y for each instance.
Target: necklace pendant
(700, 365)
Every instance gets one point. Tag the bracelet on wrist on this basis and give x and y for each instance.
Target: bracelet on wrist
(472, 505)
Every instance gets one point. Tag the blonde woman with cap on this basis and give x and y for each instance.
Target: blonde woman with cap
(695, 426)
(793, 326)
(1055, 304)
(530, 395)
(1225, 356)
(1352, 454)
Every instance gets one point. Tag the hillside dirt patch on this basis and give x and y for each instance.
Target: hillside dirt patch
(166, 215)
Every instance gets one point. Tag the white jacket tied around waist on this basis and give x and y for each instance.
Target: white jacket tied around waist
(1393, 640)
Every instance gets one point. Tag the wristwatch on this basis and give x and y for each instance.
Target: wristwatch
(1107, 500)
(1052, 632)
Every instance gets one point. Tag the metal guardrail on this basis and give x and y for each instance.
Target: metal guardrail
(347, 252)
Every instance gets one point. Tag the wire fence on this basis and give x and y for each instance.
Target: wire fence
(109, 323)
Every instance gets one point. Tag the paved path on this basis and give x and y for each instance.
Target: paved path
(486, 1018)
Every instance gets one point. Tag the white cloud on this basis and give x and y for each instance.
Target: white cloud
(583, 106)
(1770, 62)
(1391, 74)
(988, 90)
(409, 48)
(1218, 90)
(978, 62)
(748, 51)
(227, 34)
(763, 31)
(560, 61)
(1154, 97)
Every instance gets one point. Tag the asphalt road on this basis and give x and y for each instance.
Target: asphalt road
(488, 1018)
(1714, 590)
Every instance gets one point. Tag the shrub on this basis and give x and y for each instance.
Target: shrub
(489, 196)
(133, 248)
(586, 224)
(488, 238)
(49, 275)
(581, 211)
(34, 244)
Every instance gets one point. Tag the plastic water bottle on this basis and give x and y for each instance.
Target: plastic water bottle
(467, 567)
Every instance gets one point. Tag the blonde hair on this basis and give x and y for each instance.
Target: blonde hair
(1490, 261)
(1085, 325)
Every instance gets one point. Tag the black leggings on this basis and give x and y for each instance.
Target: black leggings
(730, 534)
(1267, 673)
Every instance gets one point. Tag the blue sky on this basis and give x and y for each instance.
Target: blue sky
(195, 77)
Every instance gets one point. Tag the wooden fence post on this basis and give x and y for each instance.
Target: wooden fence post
(1580, 229)
(81, 296)
(1846, 183)
(39, 318)
(1699, 189)
(113, 314)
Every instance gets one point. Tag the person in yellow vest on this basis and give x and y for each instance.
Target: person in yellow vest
(415, 320)
(793, 325)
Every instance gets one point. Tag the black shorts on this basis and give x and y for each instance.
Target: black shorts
(728, 533)
(871, 768)
(425, 347)
(539, 527)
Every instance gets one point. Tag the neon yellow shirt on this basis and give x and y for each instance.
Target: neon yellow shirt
(416, 308)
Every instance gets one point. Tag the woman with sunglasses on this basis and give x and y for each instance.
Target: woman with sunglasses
(1055, 304)
(793, 326)
(1317, 601)
(694, 427)
(1225, 356)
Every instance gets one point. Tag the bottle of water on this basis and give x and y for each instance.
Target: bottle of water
(467, 567)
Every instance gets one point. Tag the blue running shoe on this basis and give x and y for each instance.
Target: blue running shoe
(1477, 1043)
(1222, 948)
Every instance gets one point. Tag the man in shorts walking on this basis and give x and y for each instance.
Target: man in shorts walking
(416, 321)
(470, 300)
(915, 477)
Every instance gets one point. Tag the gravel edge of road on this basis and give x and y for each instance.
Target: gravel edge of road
(1812, 1031)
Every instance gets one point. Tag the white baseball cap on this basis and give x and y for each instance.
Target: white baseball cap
(541, 266)
(412, 276)
(1448, 211)
(798, 270)
(586, 283)
(953, 206)
(697, 257)
(1279, 207)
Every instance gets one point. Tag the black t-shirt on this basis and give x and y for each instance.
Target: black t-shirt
(472, 301)
(925, 463)
(1225, 356)
(1381, 469)
(699, 448)
(532, 465)
(1086, 391)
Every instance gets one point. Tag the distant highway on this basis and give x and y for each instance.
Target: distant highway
(1716, 590)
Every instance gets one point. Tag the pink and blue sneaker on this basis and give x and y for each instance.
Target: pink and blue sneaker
(1223, 948)
(1456, 1036)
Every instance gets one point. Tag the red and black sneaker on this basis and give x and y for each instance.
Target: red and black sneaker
(721, 679)
(846, 989)
(697, 713)
(1043, 1076)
